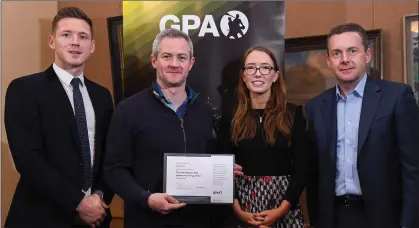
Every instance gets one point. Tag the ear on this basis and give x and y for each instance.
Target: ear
(243, 76)
(368, 55)
(51, 41)
(153, 60)
(93, 47)
(276, 76)
(328, 60)
(191, 63)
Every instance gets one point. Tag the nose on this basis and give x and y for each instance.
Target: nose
(174, 62)
(257, 74)
(345, 58)
(75, 40)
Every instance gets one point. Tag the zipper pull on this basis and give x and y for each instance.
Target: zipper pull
(181, 123)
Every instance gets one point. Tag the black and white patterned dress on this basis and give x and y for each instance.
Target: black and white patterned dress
(273, 172)
(261, 193)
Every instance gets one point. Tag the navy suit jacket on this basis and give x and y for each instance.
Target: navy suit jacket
(44, 143)
(388, 155)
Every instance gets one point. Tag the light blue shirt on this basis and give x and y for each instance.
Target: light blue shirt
(348, 114)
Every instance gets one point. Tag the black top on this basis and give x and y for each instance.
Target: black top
(258, 158)
(142, 129)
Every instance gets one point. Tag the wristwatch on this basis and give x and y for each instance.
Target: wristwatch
(100, 194)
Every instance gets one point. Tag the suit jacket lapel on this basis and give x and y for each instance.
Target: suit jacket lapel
(329, 112)
(370, 102)
(63, 103)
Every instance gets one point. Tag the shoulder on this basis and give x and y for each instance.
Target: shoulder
(28, 82)
(390, 86)
(134, 108)
(292, 107)
(140, 99)
(322, 96)
(97, 87)
(391, 92)
(296, 110)
(31, 78)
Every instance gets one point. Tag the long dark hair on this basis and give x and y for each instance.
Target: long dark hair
(244, 124)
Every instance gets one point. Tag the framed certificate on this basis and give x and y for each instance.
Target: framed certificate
(199, 178)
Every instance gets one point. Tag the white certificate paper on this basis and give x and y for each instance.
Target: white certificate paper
(200, 178)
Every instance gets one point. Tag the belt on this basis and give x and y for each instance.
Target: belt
(350, 200)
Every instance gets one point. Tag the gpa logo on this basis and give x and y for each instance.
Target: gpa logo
(234, 24)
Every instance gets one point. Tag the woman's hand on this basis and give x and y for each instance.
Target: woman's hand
(249, 219)
(270, 217)
(246, 217)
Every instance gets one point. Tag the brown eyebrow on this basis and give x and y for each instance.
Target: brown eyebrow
(254, 64)
(261, 63)
(167, 53)
(69, 31)
(346, 49)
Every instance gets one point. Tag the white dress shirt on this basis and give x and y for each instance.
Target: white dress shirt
(65, 79)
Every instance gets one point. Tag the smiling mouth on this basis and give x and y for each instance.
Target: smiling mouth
(347, 69)
(75, 52)
(258, 83)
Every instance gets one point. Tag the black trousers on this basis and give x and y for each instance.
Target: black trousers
(350, 212)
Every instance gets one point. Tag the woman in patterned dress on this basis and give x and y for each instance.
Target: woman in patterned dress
(267, 136)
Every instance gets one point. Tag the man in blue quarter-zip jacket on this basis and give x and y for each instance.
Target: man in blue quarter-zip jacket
(166, 118)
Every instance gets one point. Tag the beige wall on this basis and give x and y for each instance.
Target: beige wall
(25, 26)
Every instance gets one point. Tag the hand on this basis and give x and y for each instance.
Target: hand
(269, 217)
(238, 170)
(163, 203)
(92, 210)
(248, 218)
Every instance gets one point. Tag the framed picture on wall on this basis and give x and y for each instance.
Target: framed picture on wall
(411, 52)
(306, 72)
(116, 47)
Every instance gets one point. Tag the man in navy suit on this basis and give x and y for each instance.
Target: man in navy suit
(365, 140)
(56, 123)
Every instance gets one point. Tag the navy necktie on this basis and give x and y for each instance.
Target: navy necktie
(80, 115)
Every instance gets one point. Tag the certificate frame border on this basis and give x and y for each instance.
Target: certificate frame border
(198, 155)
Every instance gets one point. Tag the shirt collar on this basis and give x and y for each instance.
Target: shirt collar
(66, 77)
(191, 95)
(359, 89)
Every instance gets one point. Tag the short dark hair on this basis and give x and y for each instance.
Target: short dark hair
(349, 27)
(71, 12)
